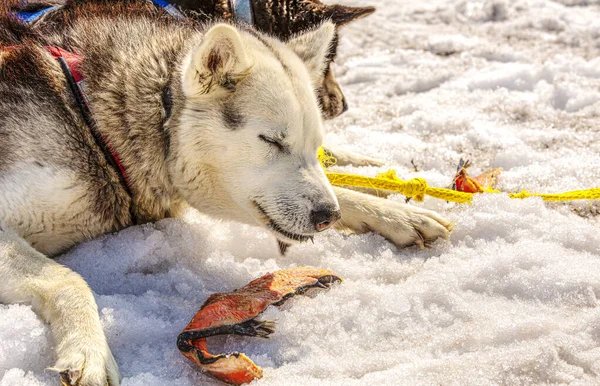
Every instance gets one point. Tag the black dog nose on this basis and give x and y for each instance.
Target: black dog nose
(324, 218)
(344, 105)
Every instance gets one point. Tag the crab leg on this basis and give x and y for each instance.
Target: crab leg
(234, 313)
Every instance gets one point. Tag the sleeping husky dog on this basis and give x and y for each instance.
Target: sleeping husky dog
(220, 119)
(279, 18)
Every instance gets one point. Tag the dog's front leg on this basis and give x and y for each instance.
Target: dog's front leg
(402, 224)
(63, 299)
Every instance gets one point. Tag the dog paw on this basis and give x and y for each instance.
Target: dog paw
(87, 366)
(400, 223)
(406, 225)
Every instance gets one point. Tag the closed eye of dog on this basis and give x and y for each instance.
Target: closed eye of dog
(273, 142)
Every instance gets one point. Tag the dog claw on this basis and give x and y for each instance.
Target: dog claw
(420, 240)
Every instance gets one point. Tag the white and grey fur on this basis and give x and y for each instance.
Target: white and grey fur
(238, 143)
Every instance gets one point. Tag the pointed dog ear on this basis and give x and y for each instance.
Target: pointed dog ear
(220, 62)
(342, 15)
(313, 47)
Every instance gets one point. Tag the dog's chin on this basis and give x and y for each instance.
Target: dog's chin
(283, 235)
(286, 236)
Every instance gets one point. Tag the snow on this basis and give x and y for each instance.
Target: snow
(512, 299)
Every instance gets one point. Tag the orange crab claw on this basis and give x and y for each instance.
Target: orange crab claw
(463, 182)
(234, 313)
(234, 368)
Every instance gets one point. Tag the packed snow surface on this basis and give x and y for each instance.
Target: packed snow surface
(512, 299)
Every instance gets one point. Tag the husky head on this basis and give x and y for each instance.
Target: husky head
(251, 127)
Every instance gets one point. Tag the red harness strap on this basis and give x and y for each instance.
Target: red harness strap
(70, 64)
(73, 61)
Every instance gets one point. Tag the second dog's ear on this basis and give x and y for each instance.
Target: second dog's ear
(220, 62)
(342, 14)
(313, 47)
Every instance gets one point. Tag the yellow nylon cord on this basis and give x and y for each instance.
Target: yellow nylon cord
(418, 188)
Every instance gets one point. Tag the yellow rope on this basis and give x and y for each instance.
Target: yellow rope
(418, 188)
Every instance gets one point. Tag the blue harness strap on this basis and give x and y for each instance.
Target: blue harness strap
(169, 8)
(30, 17)
(242, 10)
